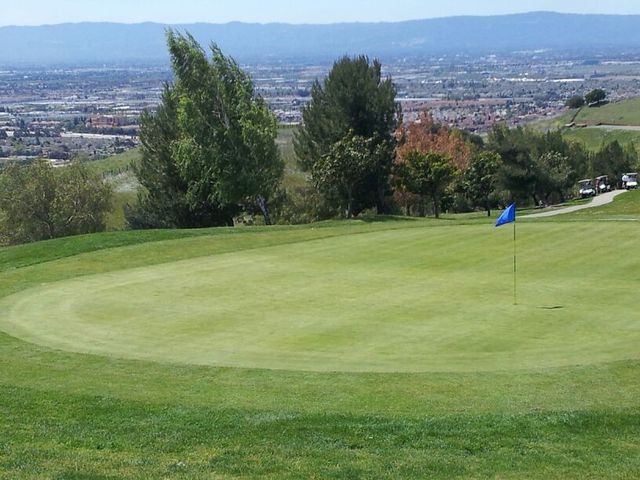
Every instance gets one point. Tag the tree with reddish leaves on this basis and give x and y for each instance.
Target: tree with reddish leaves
(434, 145)
(425, 135)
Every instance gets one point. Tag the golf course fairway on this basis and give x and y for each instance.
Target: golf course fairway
(403, 300)
(383, 348)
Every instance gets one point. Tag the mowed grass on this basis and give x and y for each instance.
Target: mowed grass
(431, 303)
(552, 392)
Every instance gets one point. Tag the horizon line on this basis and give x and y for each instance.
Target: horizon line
(351, 22)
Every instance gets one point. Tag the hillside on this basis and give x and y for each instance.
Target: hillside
(618, 121)
(123, 43)
(594, 138)
(622, 113)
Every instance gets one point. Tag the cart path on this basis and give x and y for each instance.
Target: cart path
(598, 201)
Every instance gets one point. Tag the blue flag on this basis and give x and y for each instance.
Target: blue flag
(508, 216)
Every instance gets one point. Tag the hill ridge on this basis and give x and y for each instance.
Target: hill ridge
(109, 42)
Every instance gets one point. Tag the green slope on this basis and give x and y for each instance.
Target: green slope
(595, 138)
(533, 391)
(117, 164)
(621, 113)
(625, 112)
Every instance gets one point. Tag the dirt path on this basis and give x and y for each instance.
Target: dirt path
(629, 128)
(596, 202)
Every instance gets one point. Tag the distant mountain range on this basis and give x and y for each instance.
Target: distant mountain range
(126, 43)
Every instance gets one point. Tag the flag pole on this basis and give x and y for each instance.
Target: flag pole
(509, 216)
(515, 267)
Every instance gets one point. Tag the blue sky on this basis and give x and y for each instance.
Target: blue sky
(38, 12)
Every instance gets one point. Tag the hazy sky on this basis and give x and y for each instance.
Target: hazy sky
(38, 12)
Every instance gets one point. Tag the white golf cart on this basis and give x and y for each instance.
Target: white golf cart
(602, 184)
(586, 188)
(630, 181)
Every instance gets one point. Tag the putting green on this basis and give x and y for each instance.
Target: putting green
(400, 300)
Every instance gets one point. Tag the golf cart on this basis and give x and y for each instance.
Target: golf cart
(602, 184)
(586, 188)
(630, 181)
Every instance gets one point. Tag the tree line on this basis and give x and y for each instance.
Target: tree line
(209, 154)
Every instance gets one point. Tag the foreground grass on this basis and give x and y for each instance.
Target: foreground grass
(97, 437)
(69, 415)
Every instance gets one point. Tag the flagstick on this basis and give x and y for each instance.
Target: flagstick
(515, 267)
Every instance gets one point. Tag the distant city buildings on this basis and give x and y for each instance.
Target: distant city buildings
(94, 112)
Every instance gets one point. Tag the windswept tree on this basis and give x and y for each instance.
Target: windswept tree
(209, 151)
(354, 100)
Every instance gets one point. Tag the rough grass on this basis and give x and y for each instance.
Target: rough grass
(116, 164)
(625, 112)
(622, 113)
(595, 138)
(73, 415)
(625, 208)
(293, 176)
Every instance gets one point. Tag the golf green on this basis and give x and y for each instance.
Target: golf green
(429, 299)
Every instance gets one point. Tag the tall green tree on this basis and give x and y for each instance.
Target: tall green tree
(481, 180)
(353, 100)
(39, 202)
(518, 172)
(555, 176)
(614, 160)
(536, 165)
(341, 171)
(163, 202)
(427, 174)
(209, 151)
